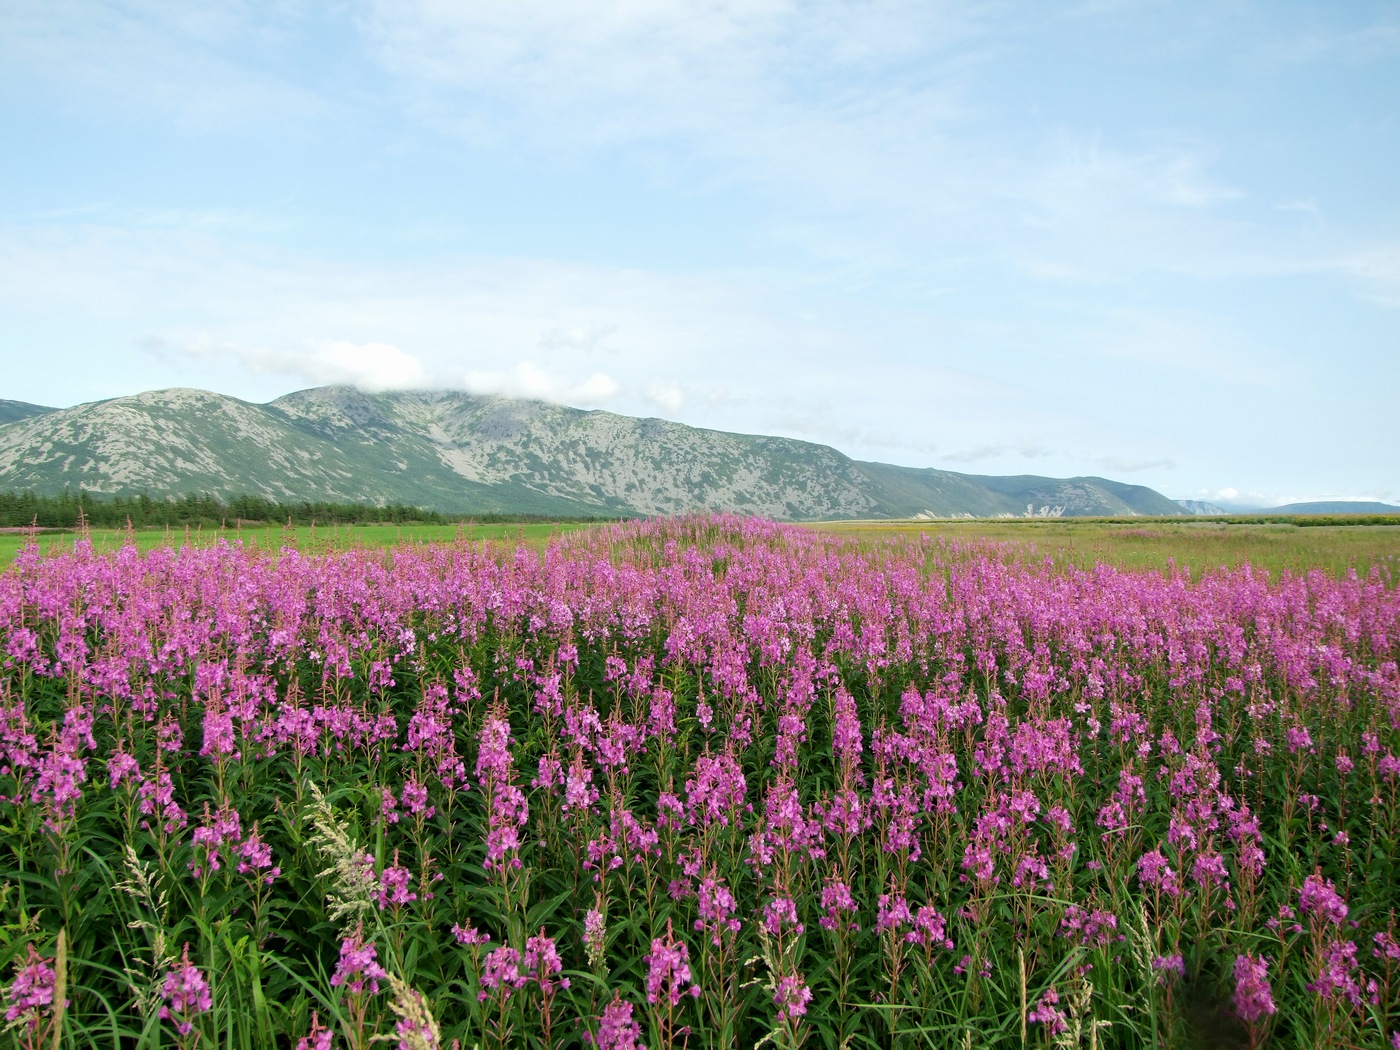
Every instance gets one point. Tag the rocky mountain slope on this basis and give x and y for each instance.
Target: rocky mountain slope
(473, 454)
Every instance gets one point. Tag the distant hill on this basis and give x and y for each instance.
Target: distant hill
(1200, 508)
(13, 410)
(1331, 507)
(465, 453)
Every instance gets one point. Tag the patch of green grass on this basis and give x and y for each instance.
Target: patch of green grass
(1161, 544)
(310, 539)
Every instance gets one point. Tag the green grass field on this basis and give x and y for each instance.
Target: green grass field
(1159, 544)
(536, 534)
(1150, 544)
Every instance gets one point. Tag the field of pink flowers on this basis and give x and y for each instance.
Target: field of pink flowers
(708, 782)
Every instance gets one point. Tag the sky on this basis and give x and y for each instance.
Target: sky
(1152, 241)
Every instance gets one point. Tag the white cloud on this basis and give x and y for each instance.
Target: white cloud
(373, 366)
(666, 396)
(1228, 494)
(527, 379)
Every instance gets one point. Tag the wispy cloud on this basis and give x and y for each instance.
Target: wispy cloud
(186, 61)
(1022, 449)
(1125, 465)
(371, 366)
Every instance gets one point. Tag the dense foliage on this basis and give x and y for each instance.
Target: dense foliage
(702, 782)
(68, 509)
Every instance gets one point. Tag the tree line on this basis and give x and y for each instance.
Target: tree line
(72, 508)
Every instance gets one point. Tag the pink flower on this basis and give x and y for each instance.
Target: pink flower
(502, 971)
(616, 1029)
(1155, 872)
(220, 831)
(1319, 897)
(542, 962)
(256, 858)
(838, 902)
(1253, 996)
(393, 885)
(358, 966)
(780, 916)
(716, 906)
(668, 970)
(319, 1038)
(893, 913)
(791, 997)
(1335, 973)
(1047, 1013)
(31, 992)
(388, 806)
(930, 929)
(470, 936)
(186, 994)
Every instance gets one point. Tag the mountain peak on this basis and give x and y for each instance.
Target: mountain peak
(466, 453)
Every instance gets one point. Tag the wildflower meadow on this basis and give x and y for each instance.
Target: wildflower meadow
(702, 782)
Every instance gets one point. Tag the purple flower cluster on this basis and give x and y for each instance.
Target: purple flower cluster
(185, 994)
(1254, 998)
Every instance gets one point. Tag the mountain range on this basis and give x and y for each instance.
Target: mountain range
(467, 453)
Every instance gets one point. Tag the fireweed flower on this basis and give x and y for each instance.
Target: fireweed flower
(158, 800)
(542, 962)
(1046, 1012)
(616, 1029)
(791, 996)
(838, 904)
(358, 967)
(930, 930)
(780, 917)
(668, 971)
(256, 858)
(1156, 873)
(1320, 898)
(717, 907)
(31, 992)
(388, 806)
(892, 914)
(319, 1038)
(1386, 947)
(415, 799)
(186, 994)
(471, 937)
(122, 767)
(1253, 996)
(1335, 973)
(501, 974)
(393, 885)
(493, 760)
(218, 832)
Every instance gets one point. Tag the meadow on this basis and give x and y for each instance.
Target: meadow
(310, 539)
(1297, 546)
(707, 782)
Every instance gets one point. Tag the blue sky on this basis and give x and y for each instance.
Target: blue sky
(1158, 242)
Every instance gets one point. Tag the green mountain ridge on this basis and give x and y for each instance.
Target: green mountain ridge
(468, 453)
(14, 410)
